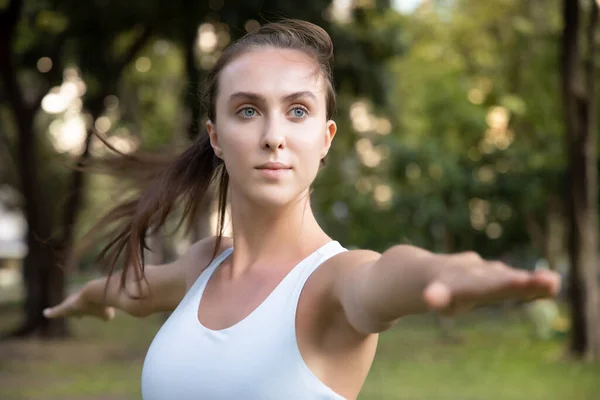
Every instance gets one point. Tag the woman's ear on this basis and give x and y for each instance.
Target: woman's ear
(329, 135)
(214, 139)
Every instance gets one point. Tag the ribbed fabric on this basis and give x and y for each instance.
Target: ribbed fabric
(255, 359)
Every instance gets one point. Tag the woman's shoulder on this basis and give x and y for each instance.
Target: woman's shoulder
(200, 254)
(327, 287)
(206, 247)
(352, 258)
(342, 265)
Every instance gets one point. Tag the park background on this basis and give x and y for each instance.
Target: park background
(463, 125)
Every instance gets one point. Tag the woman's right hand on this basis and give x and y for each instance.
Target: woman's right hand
(76, 305)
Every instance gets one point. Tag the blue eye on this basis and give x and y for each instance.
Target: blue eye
(299, 112)
(247, 112)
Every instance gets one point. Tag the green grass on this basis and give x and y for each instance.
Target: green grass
(496, 358)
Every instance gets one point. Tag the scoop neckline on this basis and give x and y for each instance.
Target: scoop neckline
(261, 304)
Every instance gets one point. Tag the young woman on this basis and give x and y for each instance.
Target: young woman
(279, 310)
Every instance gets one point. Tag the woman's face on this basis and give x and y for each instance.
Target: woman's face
(271, 108)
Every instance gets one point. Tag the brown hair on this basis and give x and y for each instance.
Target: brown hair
(185, 180)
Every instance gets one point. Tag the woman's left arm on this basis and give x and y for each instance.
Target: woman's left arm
(376, 290)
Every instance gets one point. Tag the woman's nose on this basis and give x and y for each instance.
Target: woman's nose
(273, 137)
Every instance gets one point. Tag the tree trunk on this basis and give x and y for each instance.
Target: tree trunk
(45, 286)
(191, 98)
(582, 198)
(44, 282)
(44, 266)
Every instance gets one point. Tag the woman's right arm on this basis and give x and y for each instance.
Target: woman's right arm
(164, 288)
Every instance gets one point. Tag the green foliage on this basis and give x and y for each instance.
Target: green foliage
(476, 147)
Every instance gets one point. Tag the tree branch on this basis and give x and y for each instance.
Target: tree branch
(95, 105)
(133, 50)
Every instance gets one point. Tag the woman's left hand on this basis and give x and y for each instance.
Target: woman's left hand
(463, 281)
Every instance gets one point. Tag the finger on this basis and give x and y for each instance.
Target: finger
(497, 282)
(437, 295)
(520, 277)
(548, 280)
(100, 312)
(521, 289)
(109, 313)
(56, 311)
(543, 284)
(501, 283)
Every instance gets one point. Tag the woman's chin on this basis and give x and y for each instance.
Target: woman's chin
(274, 198)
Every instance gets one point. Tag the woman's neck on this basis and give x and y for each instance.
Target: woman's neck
(266, 236)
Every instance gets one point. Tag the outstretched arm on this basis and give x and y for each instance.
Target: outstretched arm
(164, 287)
(376, 290)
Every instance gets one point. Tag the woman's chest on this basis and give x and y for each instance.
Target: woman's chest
(187, 362)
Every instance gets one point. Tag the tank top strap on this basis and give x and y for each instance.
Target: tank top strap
(324, 253)
(202, 280)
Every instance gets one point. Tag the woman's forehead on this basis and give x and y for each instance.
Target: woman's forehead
(271, 71)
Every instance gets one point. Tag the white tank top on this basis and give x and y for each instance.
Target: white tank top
(255, 359)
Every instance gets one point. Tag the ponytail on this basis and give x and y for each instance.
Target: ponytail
(168, 183)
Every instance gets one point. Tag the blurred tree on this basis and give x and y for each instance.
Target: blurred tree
(476, 159)
(579, 96)
(474, 123)
(39, 36)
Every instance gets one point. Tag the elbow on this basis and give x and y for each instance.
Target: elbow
(136, 307)
(138, 313)
(375, 327)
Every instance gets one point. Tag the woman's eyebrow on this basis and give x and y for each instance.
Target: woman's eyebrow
(297, 95)
(259, 98)
(247, 96)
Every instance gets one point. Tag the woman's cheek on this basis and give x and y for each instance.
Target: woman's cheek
(239, 147)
